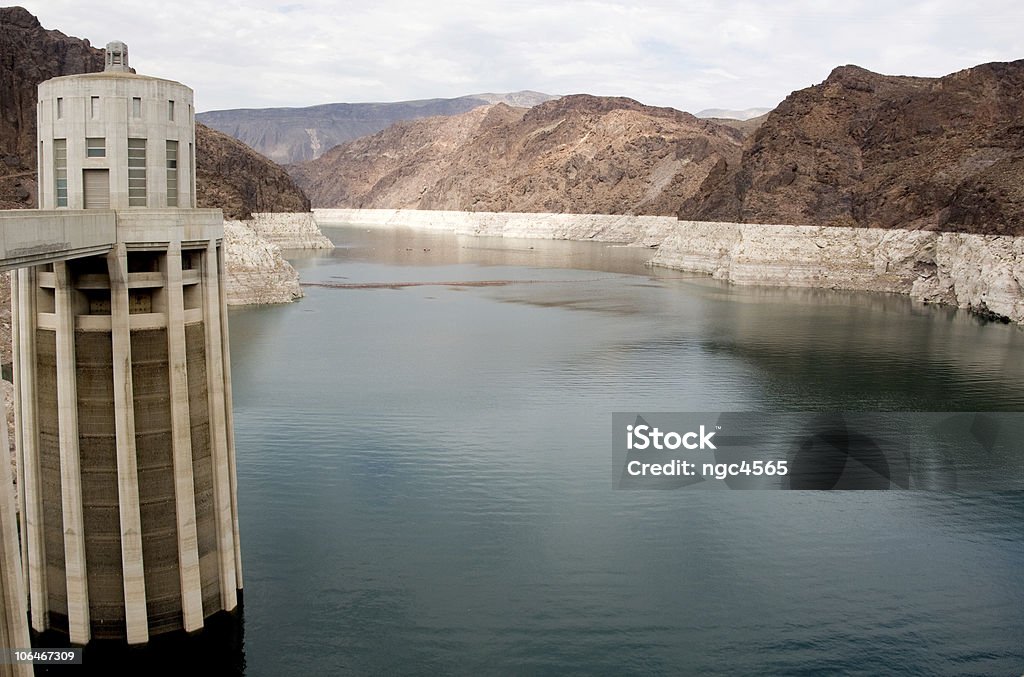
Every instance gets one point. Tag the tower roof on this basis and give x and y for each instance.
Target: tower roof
(117, 57)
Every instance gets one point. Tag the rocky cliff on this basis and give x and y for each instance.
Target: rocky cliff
(981, 273)
(578, 154)
(256, 272)
(289, 231)
(29, 54)
(290, 135)
(240, 181)
(863, 149)
(230, 175)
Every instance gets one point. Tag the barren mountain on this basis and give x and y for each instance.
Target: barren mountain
(234, 177)
(289, 135)
(863, 149)
(230, 175)
(580, 153)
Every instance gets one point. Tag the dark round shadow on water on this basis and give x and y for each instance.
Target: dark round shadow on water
(217, 649)
(830, 455)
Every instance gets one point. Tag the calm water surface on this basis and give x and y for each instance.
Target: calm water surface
(424, 473)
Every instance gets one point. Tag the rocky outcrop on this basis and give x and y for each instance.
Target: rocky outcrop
(289, 230)
(30, 54)
(640, 230)
(579, 155)
(256, 273)
(982, 273)
(290, 135)
(870, 150)
(240, 181)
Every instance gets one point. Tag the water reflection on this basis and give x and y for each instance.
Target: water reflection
(424, 474)
(217, 649)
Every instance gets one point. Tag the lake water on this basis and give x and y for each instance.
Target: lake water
(424, 480)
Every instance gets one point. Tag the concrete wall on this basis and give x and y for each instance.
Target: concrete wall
(33, 237)
(115, 122)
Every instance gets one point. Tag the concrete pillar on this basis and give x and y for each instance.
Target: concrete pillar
(29, 452)
(70, 463)
(229, 412)
(181, 441)
(218, 434)
(136, 619)
(18, 444)
(13, 613)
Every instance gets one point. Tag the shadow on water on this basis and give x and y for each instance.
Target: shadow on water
(217, 649)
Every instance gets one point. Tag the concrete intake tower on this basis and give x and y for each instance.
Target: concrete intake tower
(122, 373)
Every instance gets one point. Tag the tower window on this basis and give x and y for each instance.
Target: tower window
(172, 173)
(136, 172)
(170, 111)
(94, 107)
(136, 107)
(60, 107)
(96, 148)
(60, 171)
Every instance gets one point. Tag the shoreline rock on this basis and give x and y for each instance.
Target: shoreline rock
(256, 272)
(647, 231)
(289, 230)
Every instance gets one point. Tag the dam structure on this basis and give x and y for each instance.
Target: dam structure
(123, 415)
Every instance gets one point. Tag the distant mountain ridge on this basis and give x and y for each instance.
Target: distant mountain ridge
(727, 114)
(291, 135)
(577, 154)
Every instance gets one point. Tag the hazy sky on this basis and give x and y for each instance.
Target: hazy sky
(688, 55)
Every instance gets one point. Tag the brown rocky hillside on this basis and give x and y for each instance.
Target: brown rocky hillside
(580, 153)
(229, 174)
(863, 149)
(234, 177)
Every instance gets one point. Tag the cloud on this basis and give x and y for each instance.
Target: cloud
(693, 55)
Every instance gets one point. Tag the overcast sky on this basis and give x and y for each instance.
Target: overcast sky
(689, 55)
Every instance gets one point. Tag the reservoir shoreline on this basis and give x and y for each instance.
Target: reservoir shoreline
(983, 274)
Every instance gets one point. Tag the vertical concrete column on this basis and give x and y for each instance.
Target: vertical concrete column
(136, 619)
(70, 462)
(18, 444)
(13, 613)
(229, 415)
(218, 424)
(29, 452)
(181, 442)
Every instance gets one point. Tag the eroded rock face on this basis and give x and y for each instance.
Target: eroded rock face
(30, 54)
(289, 230)
(981, 273)
(240, 181)
(863, 149)
(256, 272)
(579, 154)
(646, 231)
